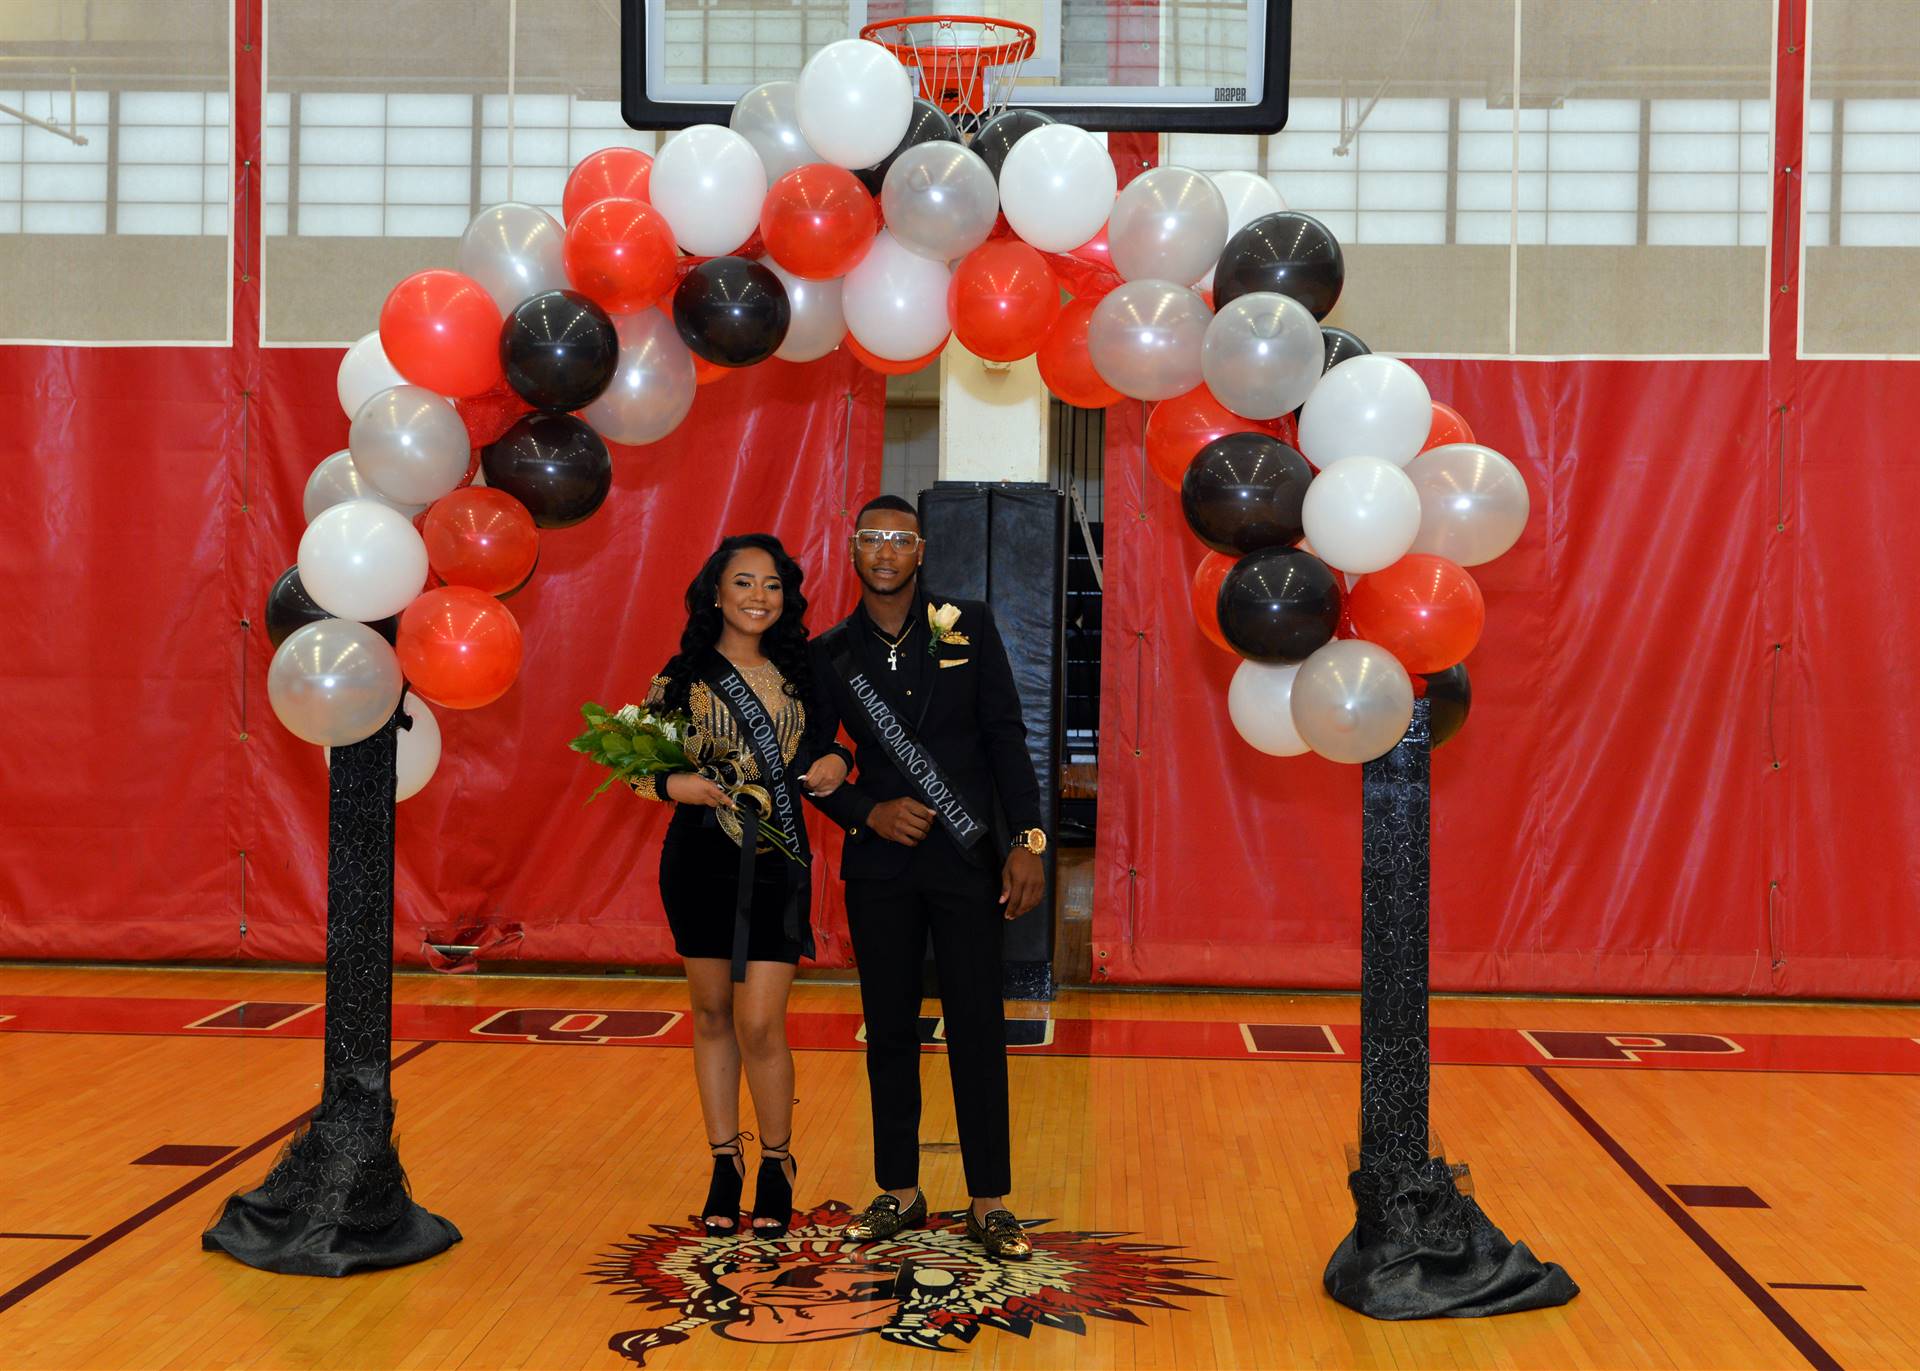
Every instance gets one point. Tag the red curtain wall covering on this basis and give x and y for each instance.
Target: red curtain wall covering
(1683, 773)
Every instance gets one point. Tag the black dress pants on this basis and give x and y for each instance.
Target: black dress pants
(890, 920)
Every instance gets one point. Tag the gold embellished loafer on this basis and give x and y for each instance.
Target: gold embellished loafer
(1001, 1234)
(884, 1218)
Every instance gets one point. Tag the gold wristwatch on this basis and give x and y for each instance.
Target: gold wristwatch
(1033, 840)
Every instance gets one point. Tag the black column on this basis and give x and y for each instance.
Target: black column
(1006, 543)
(1420, 1246)
(336, 1201)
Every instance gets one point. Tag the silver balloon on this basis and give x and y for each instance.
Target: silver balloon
(765, 117)
(1352, 701)
(1145, 339)
(1473, 502)
(653, 387)
(1169, 224)
(939, 200)
(409, 444)
(337, 480)
(1262, 355)
(818, 323)
(334, 682)
(513, 251)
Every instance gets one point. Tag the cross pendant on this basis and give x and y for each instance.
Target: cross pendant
(893, 659)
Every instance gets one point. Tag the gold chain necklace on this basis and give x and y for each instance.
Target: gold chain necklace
(895, 644)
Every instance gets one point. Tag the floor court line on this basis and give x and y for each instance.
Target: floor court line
(48, 1274)
(1804, 1342)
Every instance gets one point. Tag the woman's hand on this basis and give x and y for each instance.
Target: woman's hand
(685, 788)
(824, 776)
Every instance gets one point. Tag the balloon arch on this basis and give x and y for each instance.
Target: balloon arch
(1340, 505)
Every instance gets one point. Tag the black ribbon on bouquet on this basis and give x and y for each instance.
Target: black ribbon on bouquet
(756, 726)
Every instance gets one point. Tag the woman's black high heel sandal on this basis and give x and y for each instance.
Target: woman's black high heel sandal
(773, 1191)
(721, 1213)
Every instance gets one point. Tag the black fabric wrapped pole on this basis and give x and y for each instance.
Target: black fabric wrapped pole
(336, 1200)
(1420, 1246)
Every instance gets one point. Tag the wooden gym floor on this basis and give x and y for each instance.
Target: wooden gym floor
(1731, 1185)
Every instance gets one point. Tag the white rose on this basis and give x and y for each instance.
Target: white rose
(629, 715)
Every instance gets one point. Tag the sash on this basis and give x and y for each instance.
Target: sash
(930, 785)
(756, 726)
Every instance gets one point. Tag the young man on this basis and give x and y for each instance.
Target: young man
(926, 693)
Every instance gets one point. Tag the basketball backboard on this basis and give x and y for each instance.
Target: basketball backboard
(1168, 66)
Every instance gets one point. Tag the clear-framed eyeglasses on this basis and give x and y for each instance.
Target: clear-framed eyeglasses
(873, 539)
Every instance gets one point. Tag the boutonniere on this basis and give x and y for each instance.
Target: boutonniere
(940, 622)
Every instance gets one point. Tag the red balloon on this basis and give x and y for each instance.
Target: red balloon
(1065, 366)
(1207, 577)
(441, 330)
(1003, 299)
(459, 647)
(609, 174)
(886, 365)
(705, 372)
(1097, 250)
(482, 538)
(1448, 427)
(620, 254)
(818, 221)
(1423, 609)
(1178, 428)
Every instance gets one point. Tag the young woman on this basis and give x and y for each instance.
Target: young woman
(736, 904)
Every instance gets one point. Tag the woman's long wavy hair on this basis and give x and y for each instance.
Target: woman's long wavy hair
(785, 643)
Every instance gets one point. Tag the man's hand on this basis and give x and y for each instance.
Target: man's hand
(905, 821)
(1023, 882)
(824, 776)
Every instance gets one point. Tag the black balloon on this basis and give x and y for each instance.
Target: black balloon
(1450, 696)
(732, 311)
(929, 124)
(1289, 253)
(290, 608)
(1279, 606)
(559, 350)
(553, 464)
(1341, 345)
(1242, 493)
(998, 135)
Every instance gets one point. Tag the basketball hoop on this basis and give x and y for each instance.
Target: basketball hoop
(967, 63)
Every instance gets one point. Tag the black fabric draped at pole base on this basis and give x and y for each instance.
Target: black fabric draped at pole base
(336, 1200)
(1420, 1246)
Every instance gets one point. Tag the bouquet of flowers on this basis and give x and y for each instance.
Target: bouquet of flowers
(635, 741)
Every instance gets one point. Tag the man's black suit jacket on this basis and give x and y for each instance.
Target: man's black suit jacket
(969, 720)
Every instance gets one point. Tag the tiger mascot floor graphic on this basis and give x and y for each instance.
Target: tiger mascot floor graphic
(930, 1288)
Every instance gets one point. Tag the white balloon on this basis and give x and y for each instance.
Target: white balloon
(1057, 187)
(896, 301)
(514, 251)
(410, 445)
(1473, 502)
(709, 182)
(1361, 514)
(653, 383)
(416, 750)
(1369, 406)
(1352, 701)
(819, 319)
(854, 102)
(765, 117)
(337, 480)
(362, 560)
(1260, 704)
(1168, 224)
(364, 373)
(1248, 196)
